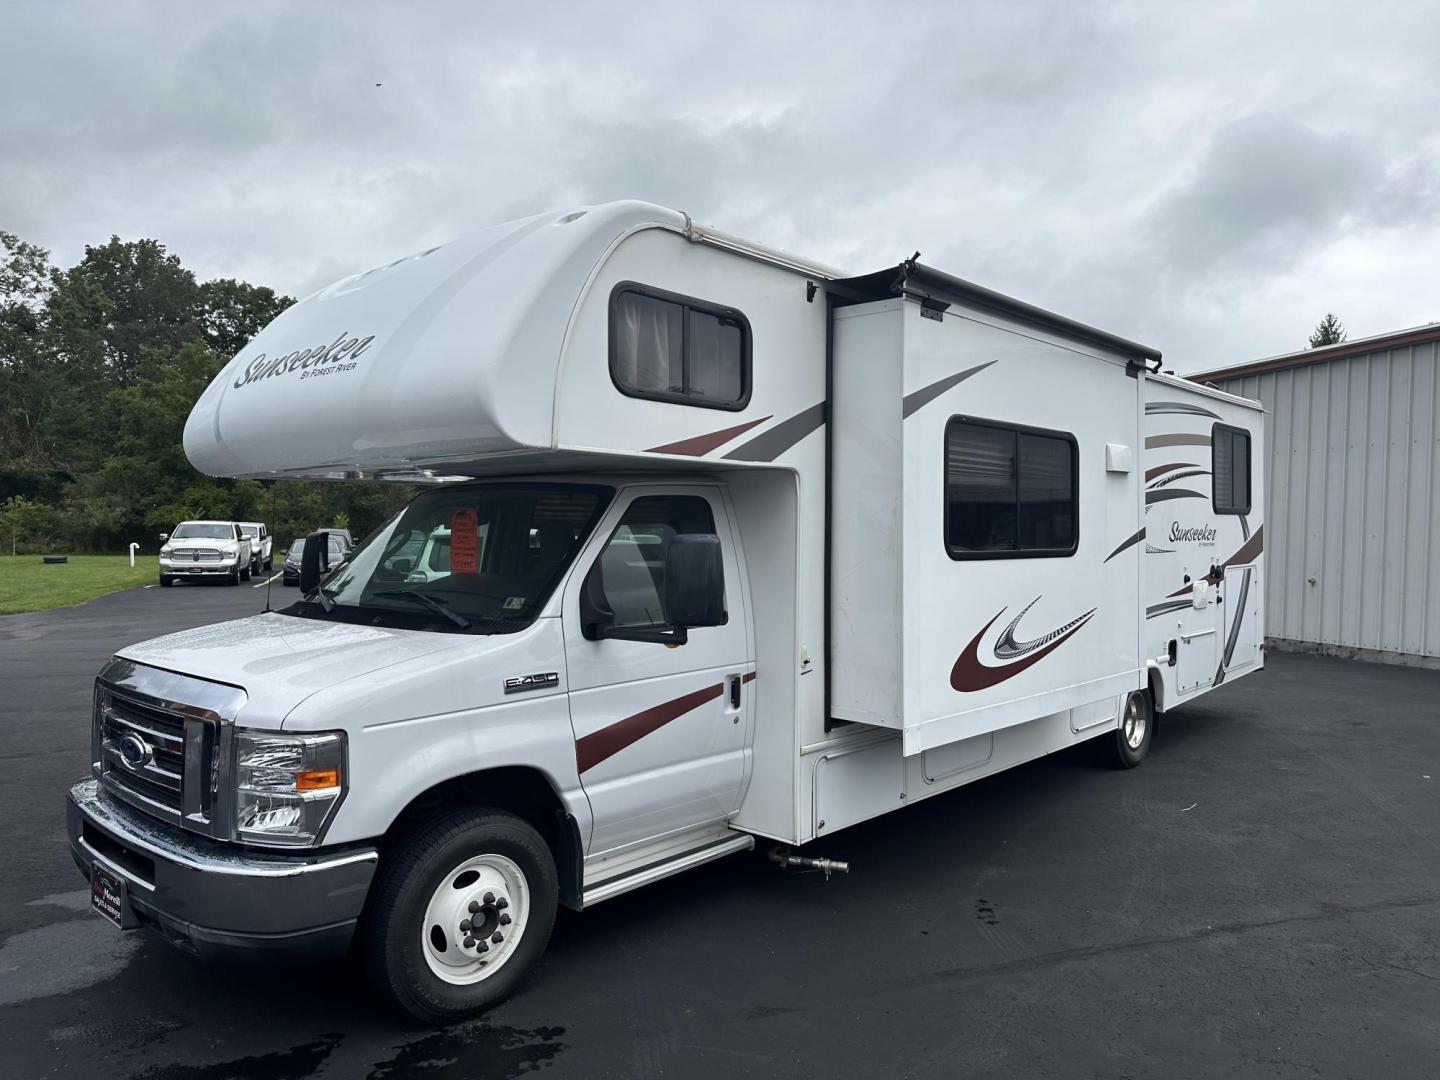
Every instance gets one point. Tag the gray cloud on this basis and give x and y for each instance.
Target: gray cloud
(1210, 179)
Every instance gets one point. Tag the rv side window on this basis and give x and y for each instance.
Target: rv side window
(673, 348)
(1230, 450)
(1010, 491)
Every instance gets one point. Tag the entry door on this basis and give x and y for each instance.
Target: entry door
(1237, 620)
(662, 731)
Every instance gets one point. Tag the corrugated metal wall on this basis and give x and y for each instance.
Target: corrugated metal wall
(1353, 513)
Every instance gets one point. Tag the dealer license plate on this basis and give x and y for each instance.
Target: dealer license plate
(107, 894)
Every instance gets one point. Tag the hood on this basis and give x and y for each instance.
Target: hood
(279, 661)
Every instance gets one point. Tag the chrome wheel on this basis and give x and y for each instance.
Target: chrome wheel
(475, 919)
(1132, 727)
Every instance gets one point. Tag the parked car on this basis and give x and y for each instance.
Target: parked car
(205, 549)
(261, 544)
(291, 568)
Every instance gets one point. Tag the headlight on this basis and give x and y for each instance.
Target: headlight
(166, 550)
(286, 786)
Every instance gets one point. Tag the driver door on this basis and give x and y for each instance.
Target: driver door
(662, 730)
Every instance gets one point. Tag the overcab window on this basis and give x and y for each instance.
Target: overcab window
(1230, 450)
(674, 348)
(1010, 492)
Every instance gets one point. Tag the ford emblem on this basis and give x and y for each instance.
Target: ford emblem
(135, 751)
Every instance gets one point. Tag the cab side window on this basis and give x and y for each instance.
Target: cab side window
(628, 579)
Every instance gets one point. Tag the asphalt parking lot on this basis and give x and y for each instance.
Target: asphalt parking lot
(1259, 899)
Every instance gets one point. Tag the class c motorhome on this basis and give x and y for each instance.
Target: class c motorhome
(738, 549)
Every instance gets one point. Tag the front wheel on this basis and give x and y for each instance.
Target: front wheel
(461, 912)
(166, 581)
(1137, 728)
(234, 577)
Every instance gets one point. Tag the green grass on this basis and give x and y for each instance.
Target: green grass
(26, 584)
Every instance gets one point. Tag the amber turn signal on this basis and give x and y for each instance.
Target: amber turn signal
(317, 779)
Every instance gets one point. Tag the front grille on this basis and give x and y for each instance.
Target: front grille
(198, 555)
(159, 782)
(161, 742)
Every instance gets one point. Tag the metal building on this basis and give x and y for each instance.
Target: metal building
(1353, 482)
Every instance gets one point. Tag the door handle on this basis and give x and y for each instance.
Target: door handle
(734, 691)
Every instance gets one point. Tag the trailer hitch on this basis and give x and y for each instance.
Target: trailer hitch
(782, 857)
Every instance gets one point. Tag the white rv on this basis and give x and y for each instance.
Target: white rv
(739, 550)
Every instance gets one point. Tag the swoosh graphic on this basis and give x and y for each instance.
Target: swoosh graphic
(969, 674)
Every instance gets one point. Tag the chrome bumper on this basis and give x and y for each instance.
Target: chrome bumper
(210, 897)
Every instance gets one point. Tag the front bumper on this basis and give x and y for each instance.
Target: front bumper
(212, 898)
(188, 568)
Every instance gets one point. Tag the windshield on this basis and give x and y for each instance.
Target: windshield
(192, 531)
(249, 532)
(482, 558)
(297, 546)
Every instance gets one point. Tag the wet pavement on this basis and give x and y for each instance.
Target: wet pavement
(1259, 899)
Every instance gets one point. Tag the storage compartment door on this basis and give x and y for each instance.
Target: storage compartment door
(1195, 662)
(1241, 620)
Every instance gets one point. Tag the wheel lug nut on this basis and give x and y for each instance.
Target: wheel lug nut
(489, 898)
(473, 907)
(482, 947)
(497, 937)
(502, 903)
(464, 924)
(504, 919)
(469, 943)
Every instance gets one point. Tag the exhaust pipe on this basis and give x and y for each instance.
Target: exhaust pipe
(783, 858)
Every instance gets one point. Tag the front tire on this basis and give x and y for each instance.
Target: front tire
(234, 577)
(166, 581)
(1131, 741)
(482, 877)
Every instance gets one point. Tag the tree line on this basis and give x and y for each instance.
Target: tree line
(99, 366)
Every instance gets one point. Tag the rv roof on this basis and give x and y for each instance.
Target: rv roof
(924, 283)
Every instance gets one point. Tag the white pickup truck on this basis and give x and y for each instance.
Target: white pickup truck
(261, 545)
(205, 549)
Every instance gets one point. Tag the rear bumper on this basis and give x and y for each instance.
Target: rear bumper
(216, 899)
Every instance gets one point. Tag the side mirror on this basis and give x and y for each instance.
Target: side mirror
(403, 566)
(314, 561)
(164, 537)
(695, 581)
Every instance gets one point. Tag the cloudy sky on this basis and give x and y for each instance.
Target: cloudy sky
(1207, 178)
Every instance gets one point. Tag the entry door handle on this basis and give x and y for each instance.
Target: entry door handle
(734, 691)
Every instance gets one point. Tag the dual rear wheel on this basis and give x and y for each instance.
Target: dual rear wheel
(1130, 743)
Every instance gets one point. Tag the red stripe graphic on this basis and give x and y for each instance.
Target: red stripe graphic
(969, 674)
(699, 445)
(592, 749)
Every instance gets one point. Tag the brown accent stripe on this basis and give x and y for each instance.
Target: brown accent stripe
(1152, 441)
(1247, 553)
(926, 394)
(1127, 544)
(592, 749)
(1160, 470)
(699, 445)
(769, 445)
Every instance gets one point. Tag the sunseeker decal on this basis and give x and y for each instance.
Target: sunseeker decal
(339, 356)
(969, 674)
(1192, 534)
(1249, 551)
(1153, 407)
(1125, 544)
(917, 399)
(606, 742)
(700, 445)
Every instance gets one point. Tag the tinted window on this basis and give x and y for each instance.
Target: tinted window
(193, 531)
(677, 349)
(629, 578)
(1009, 491)
(1230, 448)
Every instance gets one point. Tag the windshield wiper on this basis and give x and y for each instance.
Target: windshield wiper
(325, 602)
(429, 601)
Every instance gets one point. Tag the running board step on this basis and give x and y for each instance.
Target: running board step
(644, 875)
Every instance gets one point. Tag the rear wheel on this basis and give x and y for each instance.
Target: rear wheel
(461, 912)
(1131, 740)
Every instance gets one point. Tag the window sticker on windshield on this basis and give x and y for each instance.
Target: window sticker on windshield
(464, 541)
(514, 603)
